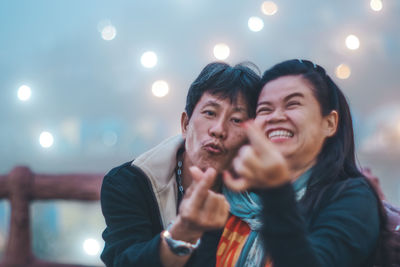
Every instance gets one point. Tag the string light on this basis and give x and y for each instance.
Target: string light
(46, 139)
(24, 93)
(160, 88)
(110, 138)
(255, 24)
(343, 71)
(269, 8)
(221, 51)
(352, 42)
(108, 33)
(149, 59)
(91, 246)
(376, 5)
(398, 127)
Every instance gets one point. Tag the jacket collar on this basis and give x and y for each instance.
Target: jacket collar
(159, 164)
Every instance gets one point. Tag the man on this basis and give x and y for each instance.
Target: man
(140, 199)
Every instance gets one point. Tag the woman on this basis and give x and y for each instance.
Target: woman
(312, 206)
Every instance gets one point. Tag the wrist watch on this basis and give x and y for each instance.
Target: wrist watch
(179, 247)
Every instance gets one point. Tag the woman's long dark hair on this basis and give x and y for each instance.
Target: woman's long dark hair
(336, 161)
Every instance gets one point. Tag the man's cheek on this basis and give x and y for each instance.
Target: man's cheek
(241, 139)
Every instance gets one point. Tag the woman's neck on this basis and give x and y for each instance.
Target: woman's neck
(296, 170)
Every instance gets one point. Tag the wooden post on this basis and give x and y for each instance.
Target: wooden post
(18, 250)
(21, 187)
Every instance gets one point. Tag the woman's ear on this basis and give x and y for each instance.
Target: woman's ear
(184, 124)
(331, 121)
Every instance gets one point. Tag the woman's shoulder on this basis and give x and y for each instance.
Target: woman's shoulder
(352, 184)
(354, 191)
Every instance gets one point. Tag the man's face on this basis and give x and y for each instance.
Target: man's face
(214, 134)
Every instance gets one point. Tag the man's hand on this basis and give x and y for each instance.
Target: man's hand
(201, 208)
(259, 164)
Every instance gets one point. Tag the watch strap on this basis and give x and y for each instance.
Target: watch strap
(179, 247)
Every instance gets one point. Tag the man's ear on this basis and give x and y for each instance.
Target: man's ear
(331, 121)
(184, 124)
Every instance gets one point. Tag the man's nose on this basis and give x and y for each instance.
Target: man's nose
(218, 129)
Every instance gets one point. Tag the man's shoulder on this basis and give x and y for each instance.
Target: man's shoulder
(121, 169)
(124, 175)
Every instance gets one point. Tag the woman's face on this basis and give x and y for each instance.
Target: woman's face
(290, 116)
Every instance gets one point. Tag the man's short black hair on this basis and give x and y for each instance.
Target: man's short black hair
(221, 79)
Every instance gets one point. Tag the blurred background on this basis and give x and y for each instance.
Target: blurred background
(88, 85)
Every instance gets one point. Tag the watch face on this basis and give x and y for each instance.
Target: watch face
(182, 250)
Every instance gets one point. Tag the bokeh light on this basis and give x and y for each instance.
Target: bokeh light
(398, 127)
(110, 138)
(343, 71)
(352, 42)
(46, 139)
(255, 24)
(2, 241)
(269, 8)
(160, 88)
(376, 5)
(221, 51)
(108, 33)
(24, 93)
(91, 246)
(146, 127)
(149, 59)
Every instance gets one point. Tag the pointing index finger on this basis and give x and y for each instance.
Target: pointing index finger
(257, 138)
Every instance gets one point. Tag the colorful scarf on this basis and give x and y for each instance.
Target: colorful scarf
(247, 207)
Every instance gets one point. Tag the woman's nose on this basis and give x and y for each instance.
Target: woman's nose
(277, 115)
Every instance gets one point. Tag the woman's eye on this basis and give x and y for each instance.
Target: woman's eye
(293, 104)
(263, 110)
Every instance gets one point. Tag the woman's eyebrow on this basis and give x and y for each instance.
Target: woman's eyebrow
(286, 98)
(264, 103)
(293, 95)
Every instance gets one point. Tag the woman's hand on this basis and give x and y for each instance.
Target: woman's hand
(258, 165)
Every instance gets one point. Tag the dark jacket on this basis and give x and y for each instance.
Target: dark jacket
(134, 224)
(343, 229)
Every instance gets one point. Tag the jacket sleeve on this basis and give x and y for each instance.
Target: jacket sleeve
(132, 234)
(343, 232)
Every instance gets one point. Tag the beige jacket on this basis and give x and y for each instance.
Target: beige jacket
(159, 164)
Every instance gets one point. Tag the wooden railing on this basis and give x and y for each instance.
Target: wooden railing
(20, 187)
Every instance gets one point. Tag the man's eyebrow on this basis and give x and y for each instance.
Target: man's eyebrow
(239, 109)
(211, 103)
(215, 104)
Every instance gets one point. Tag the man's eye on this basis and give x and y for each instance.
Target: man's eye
(236, 120)
(209, 113)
